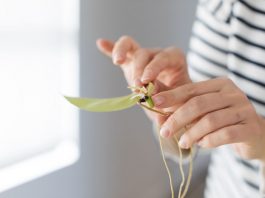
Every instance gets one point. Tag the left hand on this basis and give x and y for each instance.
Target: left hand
(165, 67)
(218, 113)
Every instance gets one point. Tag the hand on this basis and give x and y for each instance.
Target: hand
(166, 68)
(218, 113)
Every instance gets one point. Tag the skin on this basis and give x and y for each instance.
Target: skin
(166, 68)
(221, 114)
(216, 112)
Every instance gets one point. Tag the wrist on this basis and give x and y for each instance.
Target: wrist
(262, 121)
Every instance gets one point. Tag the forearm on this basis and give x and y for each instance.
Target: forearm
(262, 157)
(262, 168)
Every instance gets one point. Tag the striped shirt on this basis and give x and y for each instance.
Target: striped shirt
(228, 39)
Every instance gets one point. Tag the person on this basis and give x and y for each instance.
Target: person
(219, 92)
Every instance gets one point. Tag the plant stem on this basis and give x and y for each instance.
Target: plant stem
(154, 110)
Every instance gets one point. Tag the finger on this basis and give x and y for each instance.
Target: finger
(211, 122)
(105, 46)
(227, 135)
(187, 91)
(175, 79)
(194, 109)
(170, 57)
(124, 45)
(159, 87)
(153, 69)
(161, 119)
(140, 59)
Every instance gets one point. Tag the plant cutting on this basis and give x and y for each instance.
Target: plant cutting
(143, 97)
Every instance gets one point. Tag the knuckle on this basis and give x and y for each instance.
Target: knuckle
(181, 111)
(197, 104)
(208, 141)
(222, 96)
(171, 123)
(139, 55)
(227, 83)
(176, 56)
(209, 122)
(250, 110)
(142, 51)
(154, 67)
(190, 90)
(172, 49)
(126, 38)
(225, 80)
(162, 54)
(242, 95)
(173, 120)
(238, 92)
(162, 57)
(229, 135)
(190, 137)
(238, 116)
(149, 70)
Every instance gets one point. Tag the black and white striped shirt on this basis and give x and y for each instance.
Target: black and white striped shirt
(228, 39)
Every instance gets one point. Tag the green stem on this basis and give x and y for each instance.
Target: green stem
(154, 110)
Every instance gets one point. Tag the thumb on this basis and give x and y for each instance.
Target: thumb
(105, 46)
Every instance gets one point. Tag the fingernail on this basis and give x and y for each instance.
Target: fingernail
(137, 82)
(158, 100)
(117, 58)
(164, 132)
(146, 78)
(183, 143)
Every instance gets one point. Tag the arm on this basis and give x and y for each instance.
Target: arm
(262, 168)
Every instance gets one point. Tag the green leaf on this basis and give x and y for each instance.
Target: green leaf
(150, 89)
(150, 102)
(106, 104)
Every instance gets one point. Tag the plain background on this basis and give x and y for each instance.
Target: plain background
(119, 156)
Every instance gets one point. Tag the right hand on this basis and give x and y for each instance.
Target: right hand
(166, 68)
